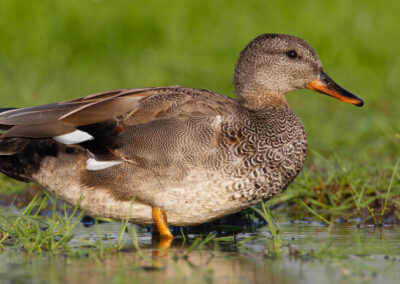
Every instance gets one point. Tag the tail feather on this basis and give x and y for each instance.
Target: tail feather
(20, 158)
(5, 127)
(12, 146)
(6, 109)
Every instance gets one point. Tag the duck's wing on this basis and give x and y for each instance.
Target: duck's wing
(45, 121)
(97, 121)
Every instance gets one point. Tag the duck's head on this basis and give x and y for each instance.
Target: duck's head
(273, 64)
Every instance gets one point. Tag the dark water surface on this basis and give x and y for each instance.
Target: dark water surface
(310, 253)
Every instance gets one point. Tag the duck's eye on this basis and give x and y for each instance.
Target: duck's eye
(292, 54)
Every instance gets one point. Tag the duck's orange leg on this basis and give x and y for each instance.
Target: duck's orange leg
(160, 218)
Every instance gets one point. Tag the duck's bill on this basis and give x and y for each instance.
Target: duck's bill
(325, 85)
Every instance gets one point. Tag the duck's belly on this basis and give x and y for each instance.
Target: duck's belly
(200, 199)
(184, 206)
(197, 199)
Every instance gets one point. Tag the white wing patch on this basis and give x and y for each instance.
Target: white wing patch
(75, 137)
(94, 165)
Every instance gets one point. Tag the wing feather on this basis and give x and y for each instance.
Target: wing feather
(105, 115)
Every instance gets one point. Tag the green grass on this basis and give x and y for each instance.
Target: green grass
(33, 234)
(52, 51)
(273, 227)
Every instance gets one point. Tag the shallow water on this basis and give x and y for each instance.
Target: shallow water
(310, 253)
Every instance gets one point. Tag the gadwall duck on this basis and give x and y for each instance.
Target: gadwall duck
(173, 155)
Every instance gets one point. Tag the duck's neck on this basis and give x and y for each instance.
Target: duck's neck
(270, 102)
(273, 117)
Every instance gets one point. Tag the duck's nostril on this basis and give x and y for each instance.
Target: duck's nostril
(325, 78)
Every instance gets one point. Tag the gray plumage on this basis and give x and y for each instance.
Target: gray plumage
(195, 154)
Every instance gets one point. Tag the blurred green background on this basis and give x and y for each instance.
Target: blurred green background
(60, 50)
